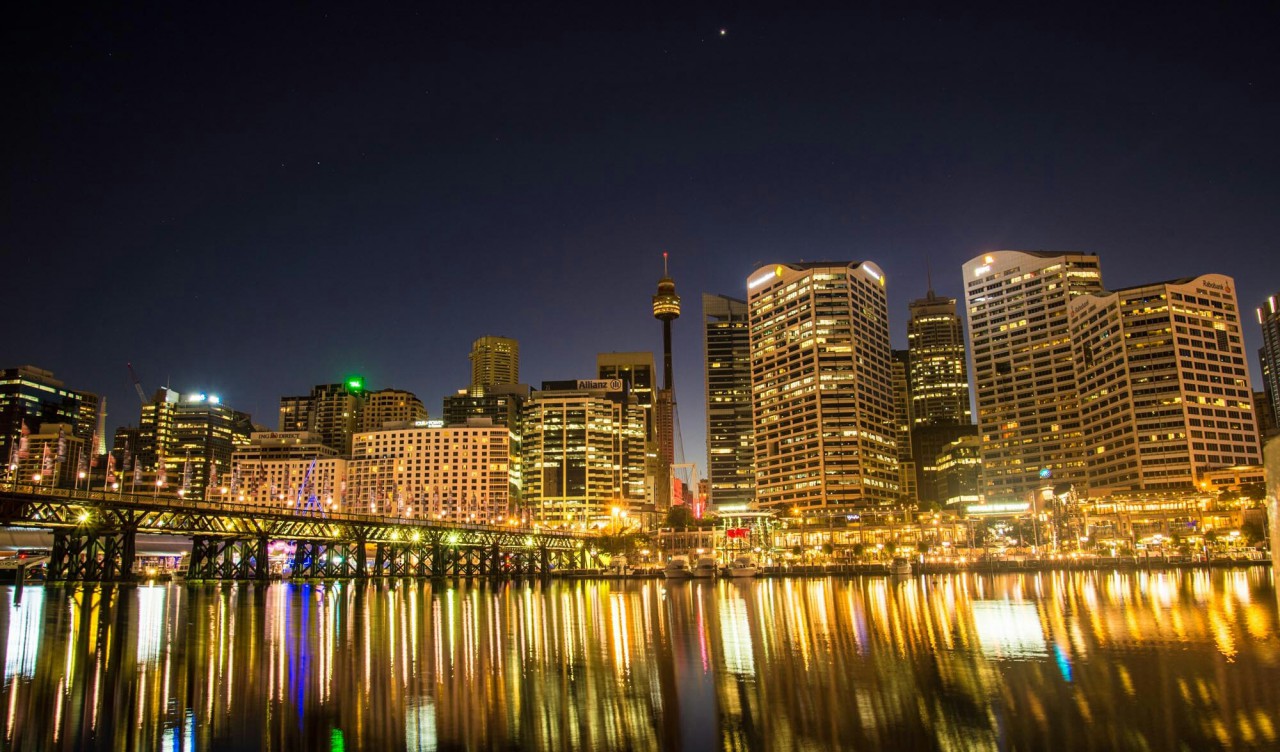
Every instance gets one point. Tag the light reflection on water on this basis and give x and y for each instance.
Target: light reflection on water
(1057, 660)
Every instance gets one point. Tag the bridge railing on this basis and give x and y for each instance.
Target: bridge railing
(170, 503)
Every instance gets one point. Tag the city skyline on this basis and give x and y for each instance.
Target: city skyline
(338, 202)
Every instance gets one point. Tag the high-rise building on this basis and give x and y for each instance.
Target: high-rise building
(636, 370)
(454, 473)
(391, 406)
(288, 470)
(500, 404)
(1265, 414)
(495, 360)
(1023, 372)
(939, 374)
(1269, 354)
(32, 396)
(1164, 384)
(822, 393)
(205, 434)
(334, 412)
(583, 451)
(959, 472)
(907, 481)
(730, 443)
(184, 444)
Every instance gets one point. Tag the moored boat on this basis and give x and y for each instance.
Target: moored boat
(706, 567)
(743, 566)
(900, 566)
(677, 568)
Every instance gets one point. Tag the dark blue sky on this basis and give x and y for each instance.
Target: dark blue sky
(253, 200)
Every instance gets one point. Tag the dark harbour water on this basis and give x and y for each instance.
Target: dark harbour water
(1106, 661)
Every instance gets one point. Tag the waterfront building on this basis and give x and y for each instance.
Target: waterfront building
(1269, 355)
(287, 470)
(32, 396)
(727, 358)
(457, 473)
(391, 406)
(334, 412)
(583, 453)
(958, 472)
(939, 373)
(927, 442)
(1023, 372)
(495, 360)
(1233, 478)
(822, 393)
(1163, 384)
(53, 457)
(204, 434)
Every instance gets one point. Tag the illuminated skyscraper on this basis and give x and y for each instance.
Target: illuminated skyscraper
(1269, 354)
(33, 396)
(821, 382)
(1164, 384)
(583, 450)
(730, 443)
(939, 375)
(494, 360)
(1023, 368)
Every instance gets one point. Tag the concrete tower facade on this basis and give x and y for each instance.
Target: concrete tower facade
(494, 360)
(1023, 368)
(821, 383)
(1164, 384)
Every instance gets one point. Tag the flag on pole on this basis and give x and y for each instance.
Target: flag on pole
(62, 446)
(81, 466)
(213, 475)
(24, 448)
(111, 468)
(186, 475)
(92, 450)
(137, 472)
(46, 461)
(162, 475)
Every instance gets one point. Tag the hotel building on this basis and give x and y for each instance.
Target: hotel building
(288, 470)
(1163, 384)
(451, 473)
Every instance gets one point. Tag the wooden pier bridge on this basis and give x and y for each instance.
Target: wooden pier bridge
(94, 539)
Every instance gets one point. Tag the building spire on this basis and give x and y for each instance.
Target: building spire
(928, 275)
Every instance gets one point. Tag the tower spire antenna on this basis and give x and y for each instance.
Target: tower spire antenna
(664, 264)
(928, 275)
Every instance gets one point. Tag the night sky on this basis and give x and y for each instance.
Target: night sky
(253, 200)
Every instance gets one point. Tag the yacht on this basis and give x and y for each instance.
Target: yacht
(706, 567)
(677, 568)
(743, 566)
(900, 566)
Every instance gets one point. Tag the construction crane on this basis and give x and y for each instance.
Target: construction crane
(137, 384)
